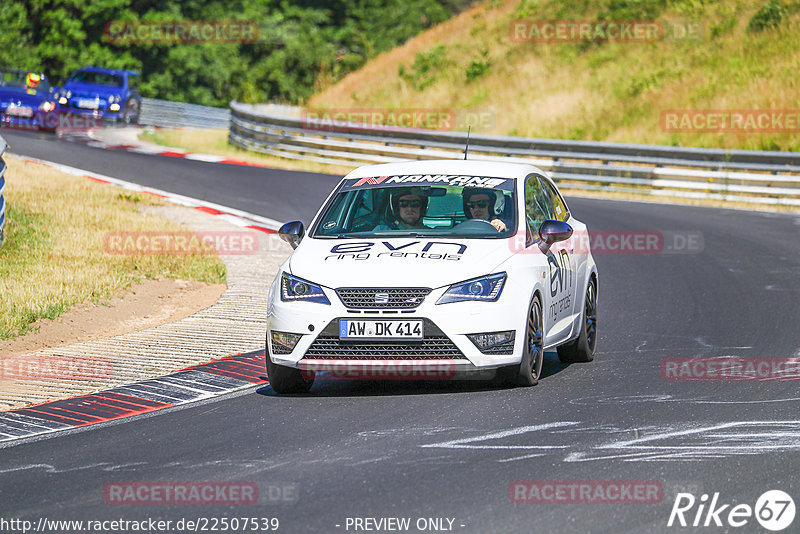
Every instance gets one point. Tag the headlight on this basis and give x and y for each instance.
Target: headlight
(485, 288)
(294, 288)
(47, 106)
(113, 107)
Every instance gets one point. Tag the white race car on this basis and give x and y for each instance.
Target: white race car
(433, 269)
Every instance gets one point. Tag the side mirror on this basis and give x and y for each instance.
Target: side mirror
(552, 232)
(293, 232)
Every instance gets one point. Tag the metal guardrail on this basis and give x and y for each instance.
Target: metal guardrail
(739, 175)
(181, 115)
(3, 146)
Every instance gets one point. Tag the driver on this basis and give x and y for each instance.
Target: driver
(479, 204)
(409, 206)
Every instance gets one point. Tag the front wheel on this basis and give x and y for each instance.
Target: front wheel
(287, 379)
(529, 370)
(582, 349)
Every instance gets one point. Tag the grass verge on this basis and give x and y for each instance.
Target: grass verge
(54, 256)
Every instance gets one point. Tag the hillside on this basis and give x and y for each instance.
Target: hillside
(741, 56)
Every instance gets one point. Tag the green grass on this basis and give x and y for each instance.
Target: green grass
(54, 256)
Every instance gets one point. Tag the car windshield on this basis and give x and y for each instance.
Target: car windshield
(98, 78)
(30, 82)
(440, 205)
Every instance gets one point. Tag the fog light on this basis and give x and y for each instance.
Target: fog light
(284, 342)
(114, 107)
(62, 100)
(491, 340)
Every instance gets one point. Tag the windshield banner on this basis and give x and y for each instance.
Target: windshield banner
(369, 182)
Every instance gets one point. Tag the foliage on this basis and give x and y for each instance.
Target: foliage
(769, 16)
(426, 67)
(478, 67)
(298, 44)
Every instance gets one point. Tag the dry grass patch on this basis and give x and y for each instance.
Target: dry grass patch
(603, 92)
(54, 255)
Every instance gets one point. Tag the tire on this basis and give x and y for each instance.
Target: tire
(529, 370)
(287, 379)
(582, 349)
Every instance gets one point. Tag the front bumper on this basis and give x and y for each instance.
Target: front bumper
(38, 121)
(445, 349)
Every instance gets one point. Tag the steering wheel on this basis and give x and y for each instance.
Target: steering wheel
(475, 226)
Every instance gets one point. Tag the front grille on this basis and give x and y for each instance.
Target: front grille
(431, 348)
(388, 297)
(434, 346)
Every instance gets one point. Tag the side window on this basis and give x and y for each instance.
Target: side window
(560, 211)
(537, 204)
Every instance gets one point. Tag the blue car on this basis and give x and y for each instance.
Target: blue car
(107, 94)
(27, 100)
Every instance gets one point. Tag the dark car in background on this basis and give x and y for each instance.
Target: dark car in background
(27, 100)
(107, 94)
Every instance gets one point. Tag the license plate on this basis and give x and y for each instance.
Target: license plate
(19, 111)
(408, 330)
(87, 103)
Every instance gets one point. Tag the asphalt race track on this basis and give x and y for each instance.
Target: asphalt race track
(453, 450)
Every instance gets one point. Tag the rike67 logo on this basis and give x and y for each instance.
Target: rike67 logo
(774, 510)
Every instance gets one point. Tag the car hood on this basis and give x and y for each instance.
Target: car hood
(420, 262)
(89, 90)
(19, 97)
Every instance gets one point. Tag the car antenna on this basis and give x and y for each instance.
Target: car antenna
(466, 150)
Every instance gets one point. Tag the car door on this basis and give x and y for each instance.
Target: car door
(560, 288)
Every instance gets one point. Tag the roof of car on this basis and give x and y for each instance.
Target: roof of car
(447, 166)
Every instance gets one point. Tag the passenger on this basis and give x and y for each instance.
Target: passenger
(480, 204)
(408, 208)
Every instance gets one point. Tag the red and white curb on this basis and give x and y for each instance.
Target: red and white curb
(236, 217)
(89, 139)
(193, 384)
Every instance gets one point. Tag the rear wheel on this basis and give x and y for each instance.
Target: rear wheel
(529, 370)
(582, 349)
(287, 379)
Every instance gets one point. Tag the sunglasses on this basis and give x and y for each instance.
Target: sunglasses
(482, 204)
(410, 203)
